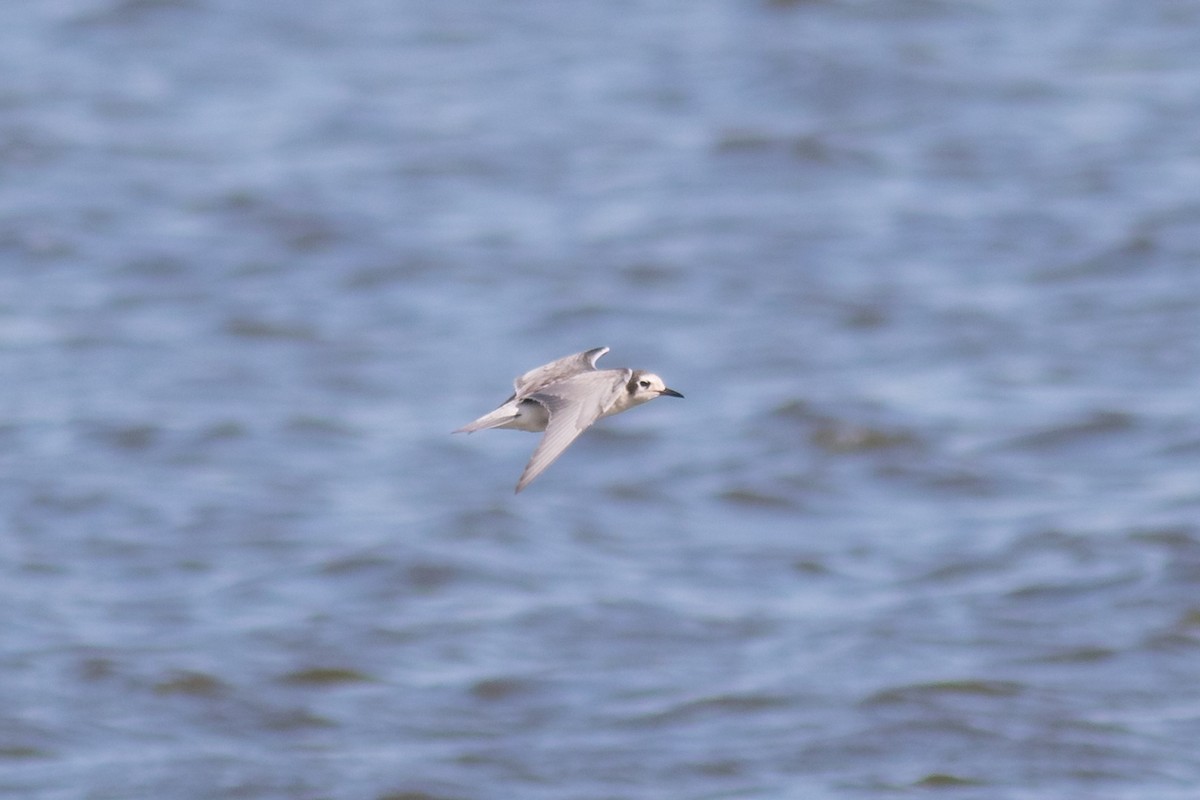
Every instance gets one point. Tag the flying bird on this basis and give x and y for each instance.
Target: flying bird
(563, 398)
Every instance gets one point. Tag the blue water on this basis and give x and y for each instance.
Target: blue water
(927, 522)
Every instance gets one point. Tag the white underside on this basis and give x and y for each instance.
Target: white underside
(531, 416)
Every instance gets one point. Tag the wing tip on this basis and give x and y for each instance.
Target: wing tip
(594, 355)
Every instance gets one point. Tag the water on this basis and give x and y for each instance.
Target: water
(927, 519)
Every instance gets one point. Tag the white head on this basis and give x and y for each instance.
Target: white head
(645, 386)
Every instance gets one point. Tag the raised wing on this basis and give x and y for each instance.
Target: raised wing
(540, 377)
(573, 403)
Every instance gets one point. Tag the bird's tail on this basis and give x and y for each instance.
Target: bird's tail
(494, 419)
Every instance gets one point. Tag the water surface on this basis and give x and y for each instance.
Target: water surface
(927, 519)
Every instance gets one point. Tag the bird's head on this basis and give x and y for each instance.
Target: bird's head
(644, 386)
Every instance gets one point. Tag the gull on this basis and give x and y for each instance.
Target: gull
(563, 398)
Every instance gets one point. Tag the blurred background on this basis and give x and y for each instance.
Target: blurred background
(928, 519)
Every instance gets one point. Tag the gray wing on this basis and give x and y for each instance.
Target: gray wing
(540, 377)
(574, 404)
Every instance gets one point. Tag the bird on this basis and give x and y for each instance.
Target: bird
(563, 399)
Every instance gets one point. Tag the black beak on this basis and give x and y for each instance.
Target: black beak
(669, 393)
